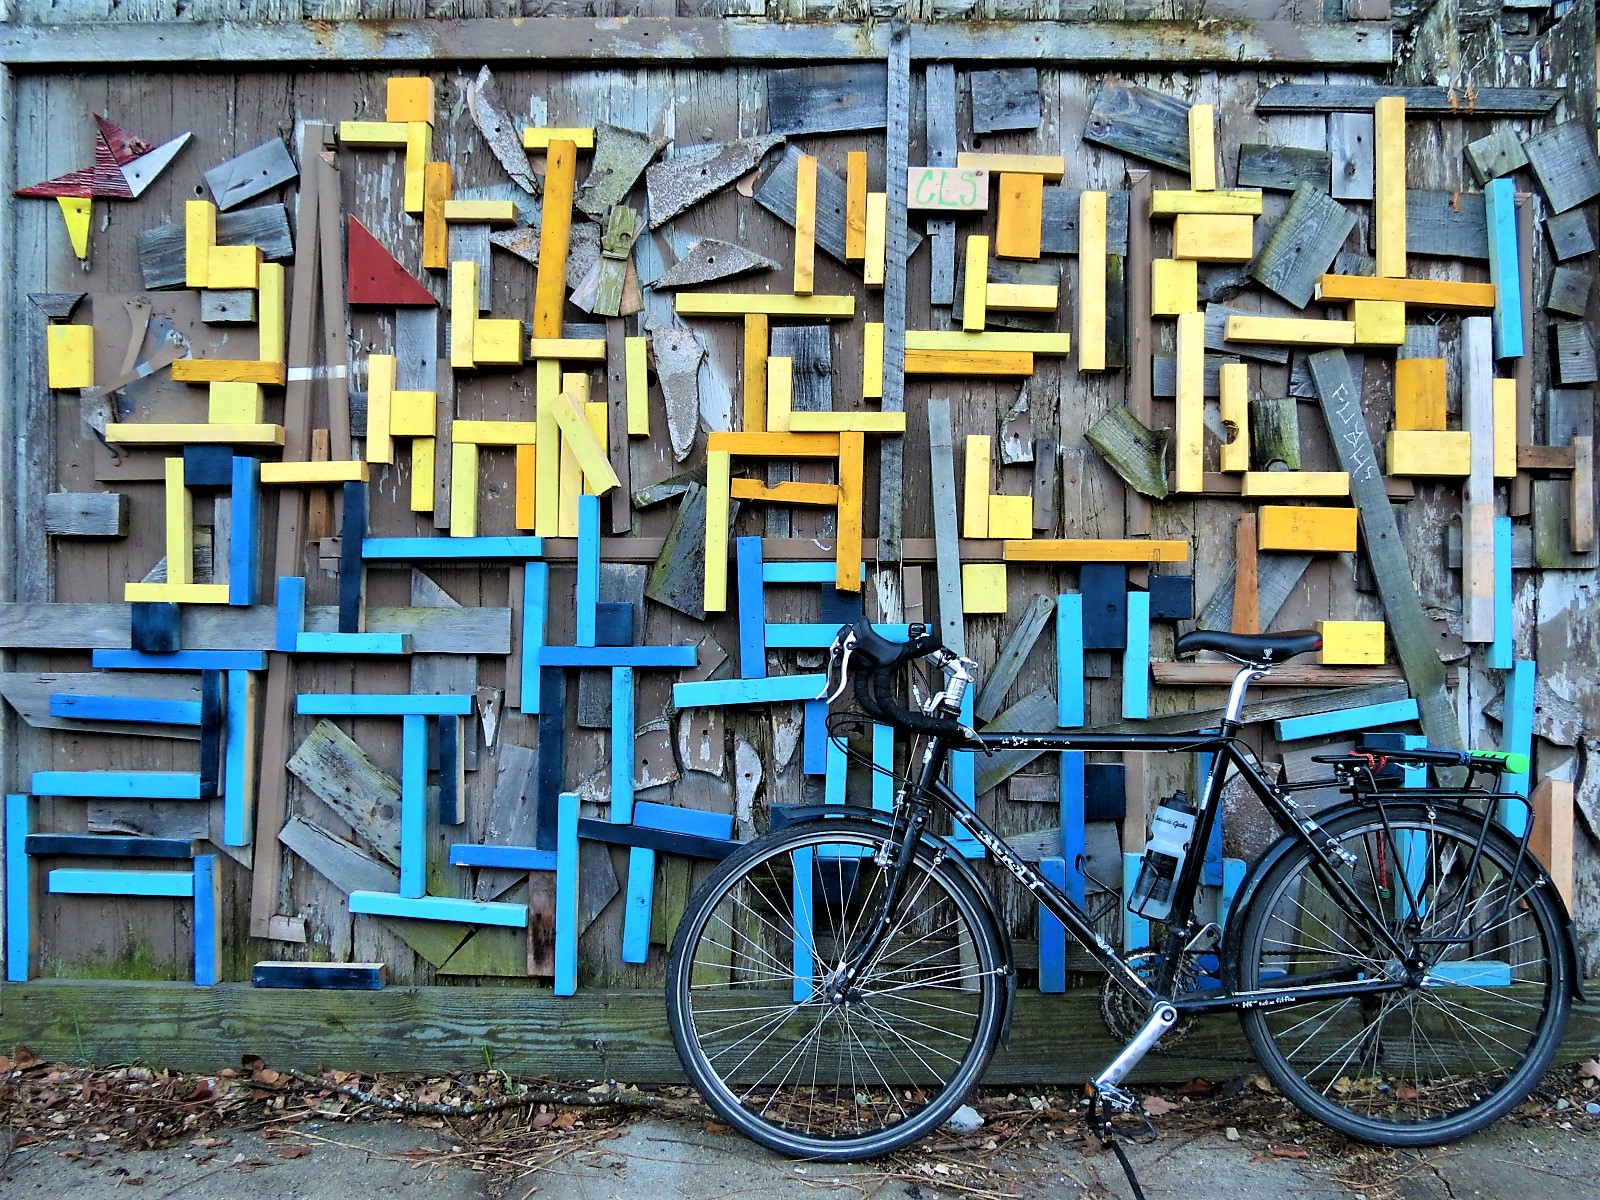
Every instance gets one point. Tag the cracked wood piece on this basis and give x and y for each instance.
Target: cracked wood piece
(502, 133)
(1141, 123)
(678, 578)
(692, 173)
(1302, 245)
(709, 260)
(620, 157)
(251, 174)
(677, 353)
(1283, 168)
(1136, 453)
(1274, 434)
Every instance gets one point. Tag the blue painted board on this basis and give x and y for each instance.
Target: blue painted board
(352, 643)
(439, 908)
(125, 708)
(414, 807)
(550, 772)
(1136, 659)
(1052, 934)
(747, 691)
(587, 596)
(181, 660)
(291, 611)
(623, 735)
(803, 957)
(535, 616)
(1517, 735)
(1074, 801)
(883, 776)
(19, 890)
(239, 762)
(244, 536)
(835, 772)
(803, 572)
(452, 792)
(1505, 267)
(83, 881)
(1233, 873)
(450, 549)
(207, 921)
(1069, 661)
(373, 704)
(352, 575)
(964, 783)
(752, 609)
(673, 819)
(1345, 720)
(814, 737)
(1477, 973)
(566, 940)
(117, 785)
(326, 977)
(784, 635)
(647, 657)
(515, 858)
(1135, 929)
(638, 902)
(1502, 651)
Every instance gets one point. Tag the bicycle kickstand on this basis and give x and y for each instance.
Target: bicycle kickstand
(1105, 1104)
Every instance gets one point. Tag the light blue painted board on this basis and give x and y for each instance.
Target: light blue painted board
(964, 783)
(1411, 845)
(1211, 870)
(535, 616)
(207, 921)
(1233, 872)
(1135, 929)
(638, 903)
(446, 549)
(414, 807)
(814, 738)
(84, 881)
(1344, 720)
(803, 572)
(752, 608)
(353, 643)
(803, 960)
(883, 776)
(125, 708)
(1505, 267)
(693, 821)
(239, 765)
(782, 635)
(19, 890)
(1479, 973)
(374, 704)
(1517, 738)
(515, 858)
(1502, 651)
(588, 584)
(777, 690)
(1136, 659)
(566, 949)
(623, 732)
(648, 657)
(179, 660)
(117, 785)
(1069, 661)
(1052, 934)
(836, 771)
(439, 908)
(244, 538)
(291, 611)
(1073, 804)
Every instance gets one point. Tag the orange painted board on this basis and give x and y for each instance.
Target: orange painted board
(1095, 550)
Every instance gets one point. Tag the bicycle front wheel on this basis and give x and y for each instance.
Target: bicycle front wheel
(1482, 949)
(832, 1072)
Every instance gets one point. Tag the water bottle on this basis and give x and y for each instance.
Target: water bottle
(1171, 830)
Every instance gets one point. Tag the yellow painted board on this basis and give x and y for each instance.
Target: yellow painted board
(875, 262)
(69, 356)
(242, 404)
(822, 494)
(199, 239)
(1025, 297)
(1174, 286)
(1233, 403)
(1379, 322)
(1051, 166)
(581, 137)
(234, 267)
(776, 445)
(852, 480)
(570, 487)
(1419, 393)
(1173, 203)
(1305, 530)
(1202, 148)
(847, 422)
(480, 212)
(422, 450)
(1019, 224)
(409, 98)
(568, 349)
(757, 340)
(855, 206)
(271, 298)
(175, 593)
(373, 133)
(497, 342)
(463, 490)
(1190, 426)
(179, 524)
(526, 506)
(1389, 186)
(438, 182)
(335, 471)
(736, 304)
(577, 433)
(983, 588)
(547, 394)
(1091, 280)
(1297, 331)
(381, 370)
(1011, 517)
(77, 212)
(599, 424)
(1351, 643)
(463, 313)
(975, 496)
(636, 374)
(1505, 428)
(229, 370)
(1081, 550)
(780, 393)
(975, 295)
(413, 414)
(419, 149)
(990, 340)
(1285, 484)
(1438, 453)
(719, 473)
(969, 362)
(124, 433)
(1430, 293)
(1206, 237)
(495, 433)
(872, 361)
(555, 233)
(805, 225)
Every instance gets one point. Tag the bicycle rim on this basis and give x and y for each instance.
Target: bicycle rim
(1432, 1062)
(763, 1040)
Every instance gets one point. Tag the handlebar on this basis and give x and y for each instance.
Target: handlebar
(1497, 761)
(875, 684)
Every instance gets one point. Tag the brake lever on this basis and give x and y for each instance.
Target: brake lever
(838, 653)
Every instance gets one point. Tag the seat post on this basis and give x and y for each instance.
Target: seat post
(1234, 709)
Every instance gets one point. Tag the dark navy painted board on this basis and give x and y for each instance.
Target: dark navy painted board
(343, 977)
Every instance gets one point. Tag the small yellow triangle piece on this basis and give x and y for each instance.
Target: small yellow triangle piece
(75, 211)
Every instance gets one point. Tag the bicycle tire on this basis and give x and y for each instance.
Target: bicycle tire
(763, 1043)
(1438, 1060)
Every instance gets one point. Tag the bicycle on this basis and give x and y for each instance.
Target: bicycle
(1402, 967)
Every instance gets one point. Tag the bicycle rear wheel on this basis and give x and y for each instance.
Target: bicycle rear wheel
(766, 1043)
(1443, 1057)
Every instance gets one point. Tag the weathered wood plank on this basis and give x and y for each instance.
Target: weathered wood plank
(1571, 234)
(1566, 164)
(831, 99)
(1141, 123)
(940, 102)
(1302, 245)
(1283, 168)
(1335, 97)
(161, 250)
(1350, 142)
(1019, 645)
(1446, 224)
(337, 770)
(1005, 99)
(1061, 221)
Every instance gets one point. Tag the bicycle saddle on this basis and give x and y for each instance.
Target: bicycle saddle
(1262, 648)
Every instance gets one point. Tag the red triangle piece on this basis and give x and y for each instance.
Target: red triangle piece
(108, 177)
(79, 183)
(377, 280)
(125, 146)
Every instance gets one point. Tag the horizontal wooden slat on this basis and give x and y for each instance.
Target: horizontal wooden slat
(1479, 102)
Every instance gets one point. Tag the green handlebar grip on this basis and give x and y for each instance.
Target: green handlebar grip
(1516, 764)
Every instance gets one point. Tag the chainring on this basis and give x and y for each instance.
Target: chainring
(1125, 1014)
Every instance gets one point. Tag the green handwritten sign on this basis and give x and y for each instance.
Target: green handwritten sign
(950, 189)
